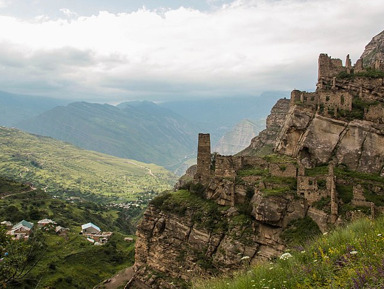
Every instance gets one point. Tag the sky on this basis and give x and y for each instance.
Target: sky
(113, 51)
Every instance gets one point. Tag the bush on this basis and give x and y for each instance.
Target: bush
(300, 231)
(345, 192)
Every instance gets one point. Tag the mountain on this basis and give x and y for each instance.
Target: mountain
(318, 165)
(15, 108)
(374, 51)
(142, 131)
(63, 169)
(218, 116)
(238, 137)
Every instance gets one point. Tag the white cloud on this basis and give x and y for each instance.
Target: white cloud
(3, 3)
(68, 12)
(244, 47)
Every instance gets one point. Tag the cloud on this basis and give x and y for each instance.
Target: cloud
(244, 47)
(68, 12)
(3, 3)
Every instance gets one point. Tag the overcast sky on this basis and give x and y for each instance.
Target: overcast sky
(110, 51)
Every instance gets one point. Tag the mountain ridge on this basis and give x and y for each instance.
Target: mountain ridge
(145, 133)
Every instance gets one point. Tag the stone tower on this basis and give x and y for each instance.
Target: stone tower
(203, 158)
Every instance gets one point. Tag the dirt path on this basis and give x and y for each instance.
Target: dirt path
(148, 169)
(119, 279)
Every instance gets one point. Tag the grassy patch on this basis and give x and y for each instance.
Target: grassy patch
(345, 192)
(300, 231)
(317, 171)
(205, 213)
(253, 172)
(322, 203)
(277, 158)
(370, 196)
(350, 257)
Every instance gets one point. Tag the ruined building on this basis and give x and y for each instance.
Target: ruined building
(339, 86)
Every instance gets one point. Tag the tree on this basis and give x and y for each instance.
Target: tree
(18, 257)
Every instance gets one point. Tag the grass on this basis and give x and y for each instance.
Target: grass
(73, 262)
(61, 168)
(206, 213)
(69, 261)
(350, 257)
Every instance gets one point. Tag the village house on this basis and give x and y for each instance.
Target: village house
(21, 230)
(94, 233)
(90, 229)
(7, 224)
(59, 230)
(46, 222)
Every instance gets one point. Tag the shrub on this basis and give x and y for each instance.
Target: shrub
(300, 231)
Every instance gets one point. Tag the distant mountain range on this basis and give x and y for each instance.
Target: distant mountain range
(239, 137)
(15, 108)
(164, 133)
(217, 116)
(142, 131)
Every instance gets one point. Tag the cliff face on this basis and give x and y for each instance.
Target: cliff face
(266, 140)
(184, 237)
(343, 121)
(231, 211)
(374, 50)
(316, 139)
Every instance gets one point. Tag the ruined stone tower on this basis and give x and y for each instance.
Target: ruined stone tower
(203, 158)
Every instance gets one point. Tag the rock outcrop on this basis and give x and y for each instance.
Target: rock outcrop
(315, 139)
(374, 51)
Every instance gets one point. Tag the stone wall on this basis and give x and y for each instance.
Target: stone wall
(329, 67)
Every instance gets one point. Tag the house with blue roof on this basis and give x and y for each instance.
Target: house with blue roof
(90, 228)
(21, 230)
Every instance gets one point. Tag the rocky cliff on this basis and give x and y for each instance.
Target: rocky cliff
(316, 140)
(232, 211)
(374, 51)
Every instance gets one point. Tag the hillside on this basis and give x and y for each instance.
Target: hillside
(350, 257)
(15, 108)
(67, 260)
(143, 131)
(61, 168)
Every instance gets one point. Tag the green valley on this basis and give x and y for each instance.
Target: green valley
(63, 169)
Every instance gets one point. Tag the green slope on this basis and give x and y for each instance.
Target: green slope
(61, 168)
(68, 261)
(350, 257)
(143, 131)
